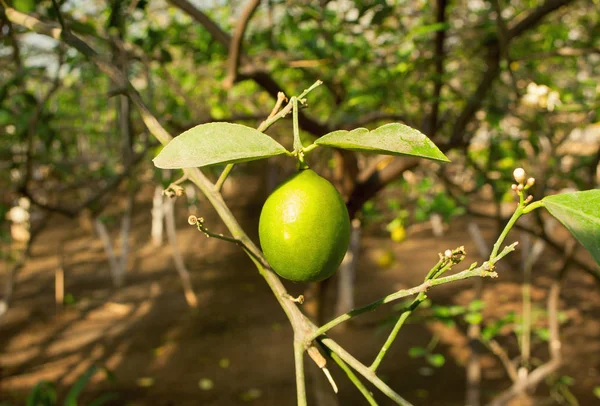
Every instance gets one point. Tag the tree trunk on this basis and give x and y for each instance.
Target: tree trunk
(158, 215)
(347, 272)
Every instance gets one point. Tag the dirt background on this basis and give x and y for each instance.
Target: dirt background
(238, 340)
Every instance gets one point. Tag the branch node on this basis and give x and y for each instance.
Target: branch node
(299, 299)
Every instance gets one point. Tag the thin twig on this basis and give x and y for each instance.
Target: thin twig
(300, 381)
(498, 351)
(364, 371)
(351, 375)
(485, 270)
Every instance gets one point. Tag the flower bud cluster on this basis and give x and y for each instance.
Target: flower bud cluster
(523, 183)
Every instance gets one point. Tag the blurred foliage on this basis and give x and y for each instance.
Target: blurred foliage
(374, 57)
(44, 393)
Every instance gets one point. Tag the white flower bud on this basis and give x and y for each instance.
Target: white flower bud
(519, 175)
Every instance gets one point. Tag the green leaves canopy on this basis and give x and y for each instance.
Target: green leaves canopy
(580, 213)
(389, 139)
(217, 143)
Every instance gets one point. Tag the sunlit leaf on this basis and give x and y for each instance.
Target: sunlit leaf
(580, 213)
(389, 139)
(217, 143)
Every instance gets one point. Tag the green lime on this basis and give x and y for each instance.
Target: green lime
(304, 228)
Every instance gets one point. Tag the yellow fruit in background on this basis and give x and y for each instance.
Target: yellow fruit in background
(385, 258)
(304, 228)
(398, 234)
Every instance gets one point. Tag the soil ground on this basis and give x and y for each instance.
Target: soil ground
(237, 343)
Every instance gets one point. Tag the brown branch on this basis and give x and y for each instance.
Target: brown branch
(498, 351)
(566, 51)
(235, 47)
(535, 17)
(503, 44)
(439, 56)
(372, 181)
(72, 212)
(217, 32)
(263, 79)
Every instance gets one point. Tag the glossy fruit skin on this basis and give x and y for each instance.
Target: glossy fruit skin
(304, 228)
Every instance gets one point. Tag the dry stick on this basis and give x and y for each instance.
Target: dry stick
(498, 351)
(113, 262)
(158, 215)
(59, 276)
(184, 275)
(124, 235)
(235, 47)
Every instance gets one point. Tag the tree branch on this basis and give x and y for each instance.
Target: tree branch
(535, 17)
(439, 56)
(263, 79)
(235, 47)
(374, 179)
(217, 32)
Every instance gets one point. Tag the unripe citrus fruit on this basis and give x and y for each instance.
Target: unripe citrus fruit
(304, 228)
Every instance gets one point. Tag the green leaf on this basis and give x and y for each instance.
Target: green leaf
(580, 213)
(416, 352)
(217, 143)
(436, 360)
(79, 385)
(473, 318)
(103, 399)
(42, 394)
(597, 392)
(389, 139)
(24, 6)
